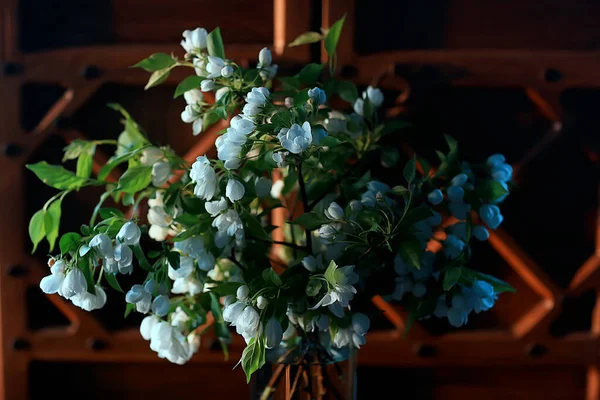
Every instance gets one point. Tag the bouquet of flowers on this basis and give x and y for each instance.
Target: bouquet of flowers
(214, 257)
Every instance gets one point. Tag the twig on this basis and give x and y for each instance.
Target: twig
(236, 262)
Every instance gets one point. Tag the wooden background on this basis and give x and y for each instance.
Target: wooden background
(518, 77)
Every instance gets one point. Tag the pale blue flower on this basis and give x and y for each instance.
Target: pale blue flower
(297, 138)
(480, 233)
(490, 215)
(435, 197)
(317, 95)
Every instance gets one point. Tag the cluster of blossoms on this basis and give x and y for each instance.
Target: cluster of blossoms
(203, 249)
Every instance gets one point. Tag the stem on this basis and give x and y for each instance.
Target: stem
(97, 208)
(307, 207)
(236, 262)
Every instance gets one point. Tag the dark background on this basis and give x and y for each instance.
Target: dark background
(516, 77)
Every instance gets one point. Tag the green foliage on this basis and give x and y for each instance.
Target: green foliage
(255, 228)
(57, 176)
(451, 277)
(39, 225)
(347, 91)
(215, 44)
(410, 250)
(309, 221)
(189, 83)
(112, 281)
(69, 242)
(491, 191)
(253, 357)
(310, 74)
(155, 62)
(54, 213)
(333, 36)
(135, 179)
(410, 170)
(306, 38)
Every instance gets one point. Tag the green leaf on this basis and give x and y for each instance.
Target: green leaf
(330, 272)
(112, 164)
(451, 277)
(330, 141)
(389, 157)
(290, 83)
(109, 212)
(174, 259)
(410, 170)
(215, 44)
(410, 250)
(86, 267)
(269, 275)
(84, 165)
(226, 288)
(491, 191)
(255, 228)
(76, 148)
(37, 228)
(417, 214)
(221, 112)
(54, 213)
(189, 83)
(306, 38)
(128, 309)
(333, 36)
(310, 74)
(309, 221)
(452, 143)
(394, 126)
(283, 119)
(253, 357)
(158, 77)
(112, 281)
(347, 91)
(499, 285)
(135, 179)
(56, 176)
(313, 287)
(155, 62)
(187, 219)
(141, 257)
(69, 242)
(400, 191)
(301, 98)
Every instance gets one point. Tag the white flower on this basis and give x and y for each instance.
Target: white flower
(255, 101)
(374, 95)
(227, 71)
(192, 246)
(214, 67)
(186, 267)
(269, 72)
(199, 66)
(248, 322)
(192, 114)
(160, 305)
(278, 157)
(73, 284)
(148, 323)
(228, 222)
(171, 344)
(207, 85)
(110, 265)
(358, 107)
(179, 319)
(297, 138)
(317, 95)
(233, 311)
(52, 283)
(189, 284)
(221, 92)
(334, 211)
(262, 186)
(313, 264)
(103, 245)
(89, 301)
(158, 233)
(194, 41)
(329, 231)
(261, 302)
(124, 258)
(161, 172)
(193, 96)
(158, 200)
(158, 216)
(229, 147)
(205, 178)
(129, 234)
(356, 206)
(342, 291)
(264, 58)
(273, 333)
(242, 293)
(234, 190)
(242, 125)
(216, 207)
(206, 261)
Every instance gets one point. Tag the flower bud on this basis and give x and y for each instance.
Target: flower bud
(490, 215)
(103, 245)
(334, 211)
(264, 58)
(242, 292)
(227, 71)
(160, 305)
(148, 323)
(207, 85)
(273, 333)
(234, 190)
(73, 284)
(129, 234)
(435, 197)
(261, 303)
